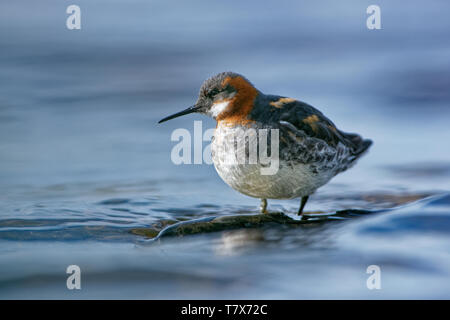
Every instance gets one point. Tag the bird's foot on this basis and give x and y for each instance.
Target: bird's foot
(302, 206)
(263, 206)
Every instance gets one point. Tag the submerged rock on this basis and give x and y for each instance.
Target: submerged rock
(220, 223)
(232, 222)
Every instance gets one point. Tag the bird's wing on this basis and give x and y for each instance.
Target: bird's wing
(310, 137)
(302, 119)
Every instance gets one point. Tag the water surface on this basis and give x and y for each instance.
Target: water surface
(83, 164)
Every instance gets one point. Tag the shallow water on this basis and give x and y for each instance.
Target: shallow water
(84, 166)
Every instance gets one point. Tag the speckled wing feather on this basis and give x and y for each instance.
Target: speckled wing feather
(307, 136)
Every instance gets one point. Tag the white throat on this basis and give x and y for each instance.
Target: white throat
(218, 108)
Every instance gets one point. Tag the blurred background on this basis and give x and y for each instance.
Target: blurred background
(83, 161)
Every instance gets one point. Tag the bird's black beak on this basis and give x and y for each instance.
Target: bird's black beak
(181, 113)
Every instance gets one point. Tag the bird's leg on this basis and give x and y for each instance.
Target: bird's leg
(302, 205)
(263, 206)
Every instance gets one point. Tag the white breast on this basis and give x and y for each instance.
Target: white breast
(290, 181)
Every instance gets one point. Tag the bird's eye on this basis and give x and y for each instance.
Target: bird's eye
(213, 92)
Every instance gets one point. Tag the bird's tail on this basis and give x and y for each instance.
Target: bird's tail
(360, 145)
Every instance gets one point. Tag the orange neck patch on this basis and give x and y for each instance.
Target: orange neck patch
(240, 105)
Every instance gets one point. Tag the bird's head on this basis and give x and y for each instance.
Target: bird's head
(226, 96)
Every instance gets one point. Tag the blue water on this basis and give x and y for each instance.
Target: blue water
(83, 163)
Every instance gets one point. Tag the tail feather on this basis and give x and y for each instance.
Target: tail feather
(360, 145)
(363, 147)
